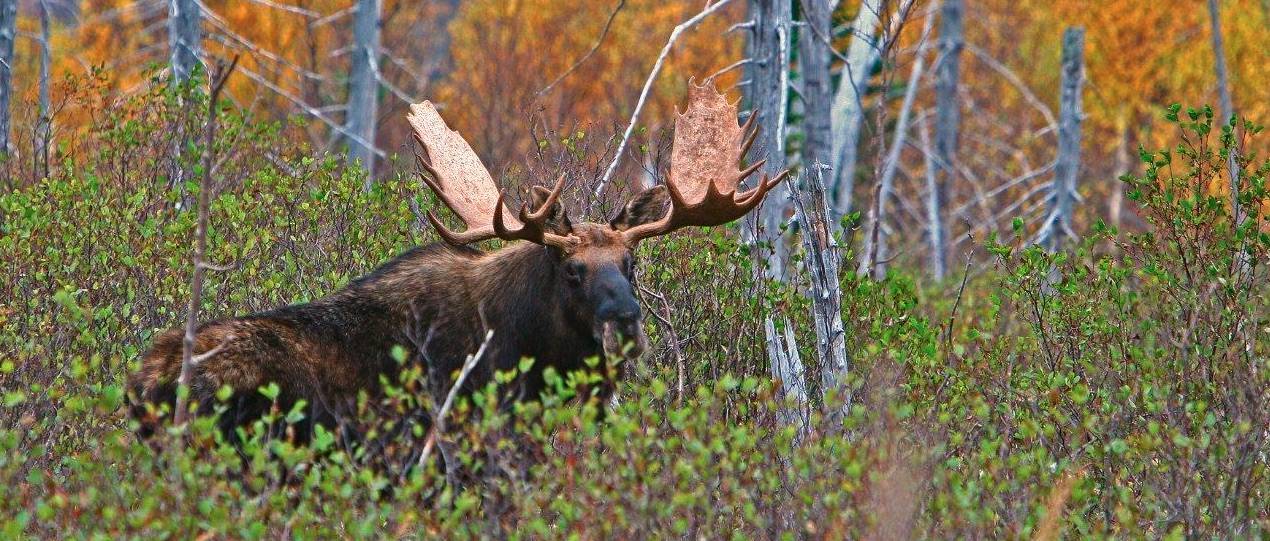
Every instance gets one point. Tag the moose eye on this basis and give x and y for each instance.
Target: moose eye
(573, 271)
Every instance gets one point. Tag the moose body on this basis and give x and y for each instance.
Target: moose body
(559, 293)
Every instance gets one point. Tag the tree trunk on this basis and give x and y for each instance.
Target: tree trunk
(814, 56)
(823, 259)
(934, 214)
(1115, 207)
(185, 37)
(1227, 105)
(947, 116)
(848, 109)
(43, 127)
(768, 73)
(1063, 192)
(363, 88)
(8, 34)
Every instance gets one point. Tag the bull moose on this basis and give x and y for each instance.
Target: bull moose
(559, 291)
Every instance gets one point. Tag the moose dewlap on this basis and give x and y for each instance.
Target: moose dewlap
(560, 295)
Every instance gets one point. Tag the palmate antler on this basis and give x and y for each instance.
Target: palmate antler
(465, 186)
(704, 173)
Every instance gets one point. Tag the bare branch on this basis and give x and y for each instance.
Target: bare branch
(200, 243)
(648, 85)
(603, 33)
(438, 425)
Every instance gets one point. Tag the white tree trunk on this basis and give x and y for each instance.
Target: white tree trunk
(848, 110)
(823, 258)
(185, 37)
(43, 127)
(814, 56)
(8, 34)
(768, 91)
(1227, 104)
(934, 214)
(947, 118)
(1058, 224)
(363, 87)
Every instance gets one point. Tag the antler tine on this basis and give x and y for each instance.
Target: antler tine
(751, 132)
(751, 198)
(542, 212)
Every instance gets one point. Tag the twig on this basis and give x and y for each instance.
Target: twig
(603, 34)
(648, 85)
(200, 243)
(439, 425)
(965, 275)
(663, 317)
(293, 9)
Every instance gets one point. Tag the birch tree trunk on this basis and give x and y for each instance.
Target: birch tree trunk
(814, 56)
(185, 37)
(1227, 104)
(1058, 224)
(848, 110)
(947, 118)
(768, 73)
(934, 214)
(8, 34)
(363, 88)
(768, 91)
(43, 127)
(823, 260)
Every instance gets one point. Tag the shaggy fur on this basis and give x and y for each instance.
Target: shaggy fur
(435, 301)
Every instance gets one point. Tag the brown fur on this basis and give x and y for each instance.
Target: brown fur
(436, 302)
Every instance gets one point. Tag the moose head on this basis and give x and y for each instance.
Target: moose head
(594, 262)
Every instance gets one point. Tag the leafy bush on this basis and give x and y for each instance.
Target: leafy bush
(1117, 390)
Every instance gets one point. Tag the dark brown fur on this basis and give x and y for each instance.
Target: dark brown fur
(435, 301)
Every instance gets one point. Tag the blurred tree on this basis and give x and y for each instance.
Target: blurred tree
(363, 87)
(8, 34)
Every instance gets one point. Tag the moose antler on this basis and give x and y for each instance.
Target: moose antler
(462, 183)
(704, 173)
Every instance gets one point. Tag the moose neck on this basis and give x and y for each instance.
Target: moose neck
(519, 291)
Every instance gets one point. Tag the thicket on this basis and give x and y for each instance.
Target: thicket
(1116, 389)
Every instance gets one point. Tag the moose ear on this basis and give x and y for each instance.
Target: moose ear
(647, 206)
(557, 219)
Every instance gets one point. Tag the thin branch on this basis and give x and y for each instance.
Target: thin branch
(312, 111)
(1015, 81)
(438, 426)
(200, 243)
(648, 85)
(293, 9)
(603, 34)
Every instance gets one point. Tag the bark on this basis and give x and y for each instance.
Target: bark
(363, 87)
(1227, 105)
(947, 115)
(823, 260)
(185, 37)
(814, 57)
(848, 110)
(8, 34)
(43, 127)
(1115, 207)
(934, 215)
(1058, 224)
(768, 73)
